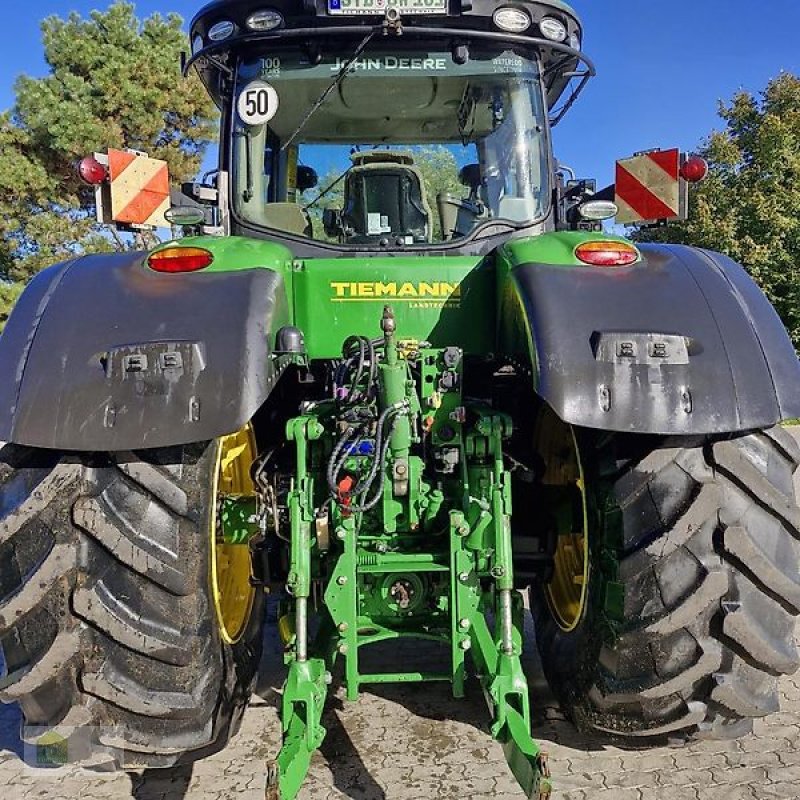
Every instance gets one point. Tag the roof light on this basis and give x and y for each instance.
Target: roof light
(221, 30)
(694, 169)
(598, 210)
(180, 259)
(553, 29)
(513, 20)
(265, 20)
(607, 254)
(91, 171)
(575, 41)
(197, 44)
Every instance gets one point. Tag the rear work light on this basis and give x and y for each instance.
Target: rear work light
(607, 254)
(180, 259)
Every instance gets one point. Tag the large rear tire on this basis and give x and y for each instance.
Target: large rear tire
(694, 586)
(108, 626)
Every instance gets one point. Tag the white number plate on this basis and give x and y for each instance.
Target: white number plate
(357, 7)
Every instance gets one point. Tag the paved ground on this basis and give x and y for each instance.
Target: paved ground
(408, 743)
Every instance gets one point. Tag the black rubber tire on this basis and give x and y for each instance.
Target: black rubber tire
(694, 589)
(107, 625)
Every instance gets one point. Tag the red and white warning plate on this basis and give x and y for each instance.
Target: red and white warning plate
(139, 189)
(649, 187)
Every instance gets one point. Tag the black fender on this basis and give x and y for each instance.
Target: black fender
(681, 343)
(103, 354)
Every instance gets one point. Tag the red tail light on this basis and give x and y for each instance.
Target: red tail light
(180, 259)
(694, 169)
(607, 254)
(91, 171)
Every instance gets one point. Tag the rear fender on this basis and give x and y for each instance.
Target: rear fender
(683, 342)
(104, 354)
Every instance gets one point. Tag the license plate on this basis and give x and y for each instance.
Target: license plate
(359, 7)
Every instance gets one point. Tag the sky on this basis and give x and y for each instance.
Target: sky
(662, 67)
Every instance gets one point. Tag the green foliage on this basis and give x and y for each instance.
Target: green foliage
(749, 207)
(114, 82)
(9, 293)
(439, 172)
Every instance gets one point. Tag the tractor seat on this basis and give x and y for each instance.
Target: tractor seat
(386, 198)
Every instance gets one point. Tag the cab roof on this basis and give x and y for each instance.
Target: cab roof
(323, 23)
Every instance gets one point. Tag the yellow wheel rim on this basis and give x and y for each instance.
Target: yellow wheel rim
(231, 567)
(567, 591)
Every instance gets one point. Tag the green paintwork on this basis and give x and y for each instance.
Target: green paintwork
(234, 253)
(439, 299)
(552, 248)
(442, 300)
(425, 563)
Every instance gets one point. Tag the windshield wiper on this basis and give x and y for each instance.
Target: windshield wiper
(333, 84)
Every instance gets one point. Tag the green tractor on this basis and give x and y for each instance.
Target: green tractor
(396, 401)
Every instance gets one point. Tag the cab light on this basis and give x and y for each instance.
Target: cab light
(513, 20)
(180, 259)
(607, 254)
(553, 29)
(221, 31)
(265, 20)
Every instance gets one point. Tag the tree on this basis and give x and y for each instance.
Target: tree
(749, 206)
(439, 171)
(9, 293)
(114, 81)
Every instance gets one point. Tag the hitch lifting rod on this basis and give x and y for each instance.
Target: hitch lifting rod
(301, 628)
(506, 622)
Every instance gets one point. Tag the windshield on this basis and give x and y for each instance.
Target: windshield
(407, 147)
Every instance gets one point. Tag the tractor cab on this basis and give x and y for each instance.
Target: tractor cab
(427, 122)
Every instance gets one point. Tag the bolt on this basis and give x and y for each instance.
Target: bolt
(498, 572)
(341, 580)
(342, 627)
(465, 644)
(464, 577)
(343, 649)
(328, 678)
(463, 624)
(341, 533)
(463, 530)
(381, 547)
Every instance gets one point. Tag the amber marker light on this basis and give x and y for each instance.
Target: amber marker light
(180, 259)
(607, 254)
